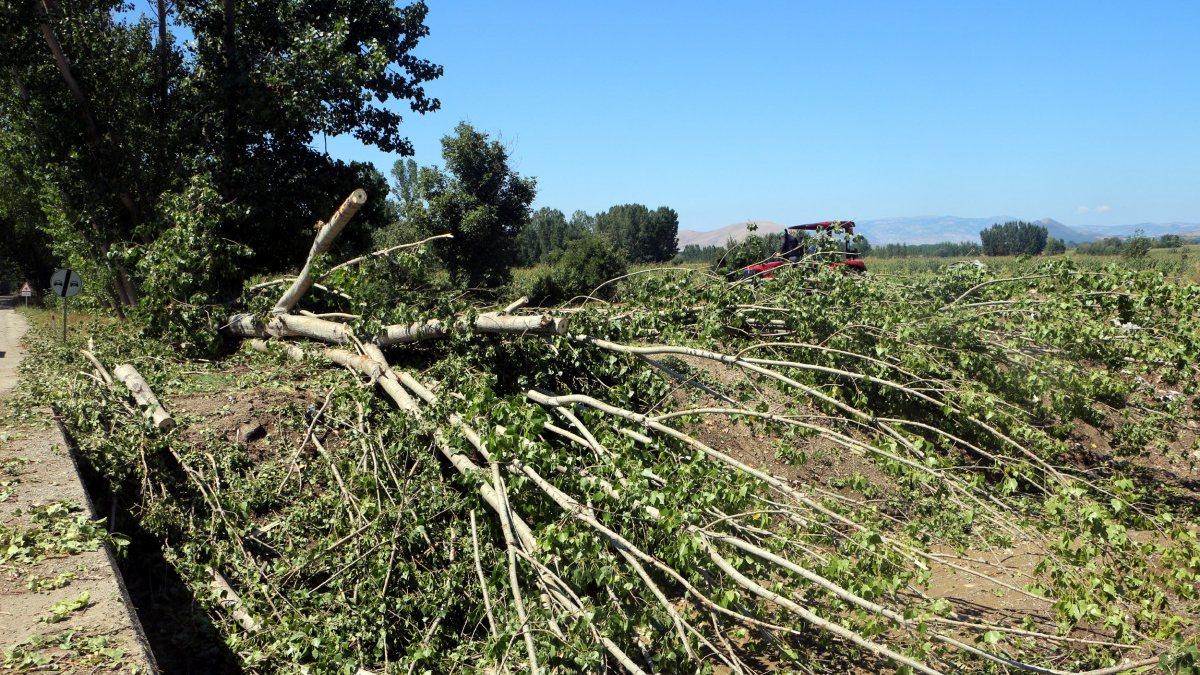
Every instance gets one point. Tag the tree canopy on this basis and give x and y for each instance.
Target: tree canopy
(647, 236)
(549, 232)
(1014, 238)
(479, 200)
(106, 119)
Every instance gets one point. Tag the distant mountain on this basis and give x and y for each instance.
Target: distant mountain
(934, 229)
(925, 229)
(1071, 235)
(1149, 229)
(720, 236)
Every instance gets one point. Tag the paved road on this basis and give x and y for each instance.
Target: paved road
(36, 469)
(12, 327)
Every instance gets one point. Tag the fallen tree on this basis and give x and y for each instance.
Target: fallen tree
(625, 534)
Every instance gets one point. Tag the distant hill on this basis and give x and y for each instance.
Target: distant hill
(1071, 235)
(719, 236)
(1149, 229)
(934, 229)
(925, 229)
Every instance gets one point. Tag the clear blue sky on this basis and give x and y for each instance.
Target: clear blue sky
(1087, 112)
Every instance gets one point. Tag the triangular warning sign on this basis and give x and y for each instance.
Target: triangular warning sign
(26, 288)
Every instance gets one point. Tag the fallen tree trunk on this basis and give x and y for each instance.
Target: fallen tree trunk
(288, 325)
(491, 322)
(323, 330)
(230, 600)
(321, 243)
(144, 396)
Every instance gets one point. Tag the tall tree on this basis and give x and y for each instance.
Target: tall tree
(478, 199)
(404, 179)
(112, 116)
(647, 236)
(1014, 238)
(548, 233)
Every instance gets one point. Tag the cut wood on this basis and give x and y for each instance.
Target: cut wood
(491, 322)
(292, 325)
(144, 396)
(321, 243)
(515, 305)
(230, 600)
(288, 325)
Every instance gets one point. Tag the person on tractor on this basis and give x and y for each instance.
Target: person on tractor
(797, 247)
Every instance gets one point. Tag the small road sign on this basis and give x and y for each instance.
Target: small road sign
(26, 290)
(66, 283)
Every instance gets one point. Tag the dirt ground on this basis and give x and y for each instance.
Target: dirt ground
(36, 469)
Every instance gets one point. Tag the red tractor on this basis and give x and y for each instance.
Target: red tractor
(798, 247)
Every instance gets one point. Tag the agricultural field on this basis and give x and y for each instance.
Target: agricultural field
(952, 468)
(1182, 264)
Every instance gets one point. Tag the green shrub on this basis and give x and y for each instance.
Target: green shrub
(579, 270)
(1054, 246)
(188, 271)
(755, 248)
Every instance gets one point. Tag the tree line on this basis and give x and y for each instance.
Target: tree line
(1135, 247)
(945, 249)
(1015, 237)
(169, 171)
(642, 234)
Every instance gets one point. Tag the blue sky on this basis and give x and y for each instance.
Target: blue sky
(1087, 112)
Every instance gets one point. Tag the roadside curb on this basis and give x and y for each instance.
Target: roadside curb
(63, 437)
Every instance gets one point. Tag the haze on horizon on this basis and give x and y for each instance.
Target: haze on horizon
(790, 112)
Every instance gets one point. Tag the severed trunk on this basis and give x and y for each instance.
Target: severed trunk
(144, 396)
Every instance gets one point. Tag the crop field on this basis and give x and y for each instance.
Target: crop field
(1182, 264)
(950, 468)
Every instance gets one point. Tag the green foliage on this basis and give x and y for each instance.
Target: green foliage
(1136, 247)
(1055, 246)
(1014, 238)
(696, 253)
(645, 235)
(479, 200)
(548, 233)
(91, 152)
(755, 248)
(404, 179)
(189, 273)
(67, 651)
(57, 528)
(67, 606)
(945, 249)
(374, 522)
(580, 270)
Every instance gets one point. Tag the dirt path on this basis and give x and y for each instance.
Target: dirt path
(61, 603)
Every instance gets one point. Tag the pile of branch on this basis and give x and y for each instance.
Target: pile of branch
(776, 600)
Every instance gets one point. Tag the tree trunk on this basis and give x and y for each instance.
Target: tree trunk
(144, 396)
(540, 324)
(229, 91)
(321, 243)
(81, 101)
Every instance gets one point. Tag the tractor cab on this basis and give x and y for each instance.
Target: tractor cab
(831, 243)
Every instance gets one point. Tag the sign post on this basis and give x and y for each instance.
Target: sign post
(65, 283)
(26, 291)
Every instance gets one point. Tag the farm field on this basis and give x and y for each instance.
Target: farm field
(1179, 263)
(955, 469)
